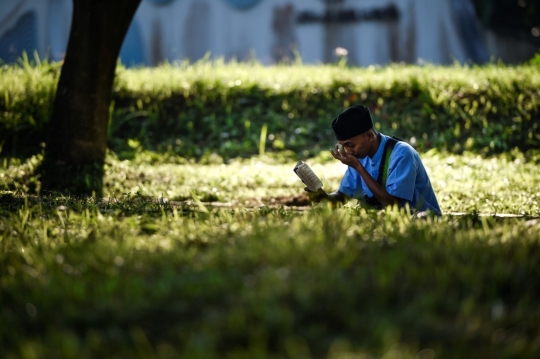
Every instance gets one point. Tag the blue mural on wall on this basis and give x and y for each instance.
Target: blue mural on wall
(132, 51)
(22, 38)
(242, 4)
(58, 29)
(160, 2)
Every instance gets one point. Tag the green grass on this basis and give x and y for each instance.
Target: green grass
(133, 278)
(192, 254)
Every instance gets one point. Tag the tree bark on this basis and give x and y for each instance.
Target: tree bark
(77, 133)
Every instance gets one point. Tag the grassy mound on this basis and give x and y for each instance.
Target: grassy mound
(238, 109)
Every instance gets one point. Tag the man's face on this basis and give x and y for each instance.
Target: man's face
(359, 146)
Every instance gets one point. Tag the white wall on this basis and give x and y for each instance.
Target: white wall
(229, 33)
(187, 29)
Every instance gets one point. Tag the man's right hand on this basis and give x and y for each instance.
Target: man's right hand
(317, 196)
(320, 195)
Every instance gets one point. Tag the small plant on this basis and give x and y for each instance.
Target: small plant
(535, 61)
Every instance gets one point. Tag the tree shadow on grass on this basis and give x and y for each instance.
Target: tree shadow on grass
(86, 180)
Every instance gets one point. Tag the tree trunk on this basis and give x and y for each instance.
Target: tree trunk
(77, 133)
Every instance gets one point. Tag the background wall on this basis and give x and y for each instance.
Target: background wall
(367, 32)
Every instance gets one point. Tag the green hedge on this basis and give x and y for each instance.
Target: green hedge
(193, 109)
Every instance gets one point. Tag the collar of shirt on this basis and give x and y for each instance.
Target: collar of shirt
(378, 155)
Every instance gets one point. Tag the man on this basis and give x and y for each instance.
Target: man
(381, 171)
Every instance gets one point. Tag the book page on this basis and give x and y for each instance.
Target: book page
(306, 174)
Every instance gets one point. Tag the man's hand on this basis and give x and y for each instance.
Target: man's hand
(317, 196)
(347, 159)
(379, 192)
(320, 195)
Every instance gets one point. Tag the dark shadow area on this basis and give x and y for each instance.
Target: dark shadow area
(71, 179)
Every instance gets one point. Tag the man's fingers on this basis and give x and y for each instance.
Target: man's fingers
(336, 155)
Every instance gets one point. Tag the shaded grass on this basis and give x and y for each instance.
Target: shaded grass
(139, 279)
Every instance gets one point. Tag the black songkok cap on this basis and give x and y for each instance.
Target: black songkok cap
(352, 122)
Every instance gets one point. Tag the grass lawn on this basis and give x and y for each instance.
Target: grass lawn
(256, 277)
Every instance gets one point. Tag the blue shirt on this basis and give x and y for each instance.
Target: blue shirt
(407, 178)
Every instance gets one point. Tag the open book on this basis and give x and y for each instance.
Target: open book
(306, 174)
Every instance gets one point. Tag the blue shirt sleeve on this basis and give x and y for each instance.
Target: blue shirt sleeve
(402, 173)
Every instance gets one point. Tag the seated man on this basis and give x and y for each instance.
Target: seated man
(381, 171)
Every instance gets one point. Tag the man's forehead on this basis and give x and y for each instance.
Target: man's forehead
(352, 140)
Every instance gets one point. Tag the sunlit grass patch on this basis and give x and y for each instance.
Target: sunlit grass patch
(463, 183)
